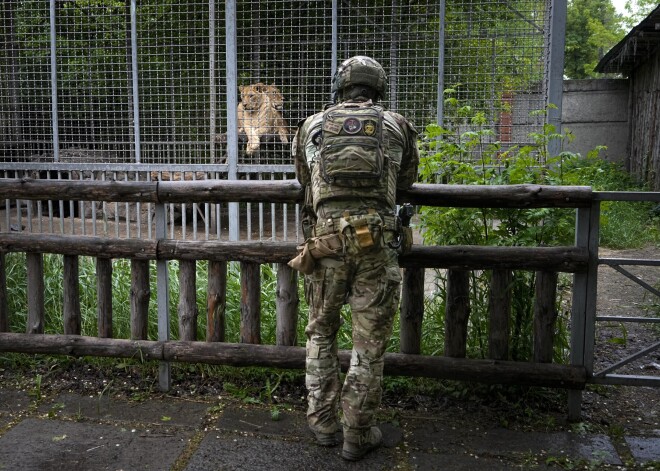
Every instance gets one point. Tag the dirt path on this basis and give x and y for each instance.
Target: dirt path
(620, 296)
(626, 408)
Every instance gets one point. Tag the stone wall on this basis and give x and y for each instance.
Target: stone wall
(596, 112)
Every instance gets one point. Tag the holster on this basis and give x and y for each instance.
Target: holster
(406, 235)
(316, 248)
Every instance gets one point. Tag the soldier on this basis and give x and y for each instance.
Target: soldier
(351, 159)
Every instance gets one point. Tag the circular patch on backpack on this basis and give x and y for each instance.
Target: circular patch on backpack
(352, 126)
(370, 127)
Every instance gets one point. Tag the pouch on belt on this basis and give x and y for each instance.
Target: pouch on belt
(328, 248)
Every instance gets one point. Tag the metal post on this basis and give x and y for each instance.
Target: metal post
(394, 57)
(583, 311)
(555, 72)
(335, 40)
(441, 62)
(53, 83)
(134, 72)
(162, 296)
(212, 86)
(592, 288)
(232, 118)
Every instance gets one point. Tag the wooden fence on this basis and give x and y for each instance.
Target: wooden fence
(458, 260)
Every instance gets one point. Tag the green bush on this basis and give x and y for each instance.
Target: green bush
(472, 157)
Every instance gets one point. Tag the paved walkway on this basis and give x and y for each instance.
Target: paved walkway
(72, 432)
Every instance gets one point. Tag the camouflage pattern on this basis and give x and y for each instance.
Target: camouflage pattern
(402, 159)
(367, 278)
(360, 70)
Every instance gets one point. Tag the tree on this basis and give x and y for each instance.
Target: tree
(637, 11)
(593, 27)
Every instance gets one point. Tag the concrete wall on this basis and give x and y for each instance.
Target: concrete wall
(596, 112)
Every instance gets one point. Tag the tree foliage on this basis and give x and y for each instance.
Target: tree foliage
(592, 28)
(637, 10)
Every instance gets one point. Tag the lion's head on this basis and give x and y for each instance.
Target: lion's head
(274, 96)
(251, 96)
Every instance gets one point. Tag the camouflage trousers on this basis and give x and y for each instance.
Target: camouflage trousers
(369, 281)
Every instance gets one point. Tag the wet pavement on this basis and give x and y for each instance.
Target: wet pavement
(71, 432)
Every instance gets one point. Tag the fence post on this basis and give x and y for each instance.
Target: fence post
(457, 312)
(250, 302)
(135, 85)
(216, 301)
(286, 305)
(213, 92)
(53, 83)
(104, 295)
(231, 64)
(555, 70)
(545, 315)
(412, 310)
(71, 296)
(163, 299)
(441, 62)
(35, 293)
(140, 294)
(583, 311)
(499, 307)
(187, 308)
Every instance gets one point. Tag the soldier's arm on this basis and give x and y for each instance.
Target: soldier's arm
(410, 159)
(299, 158)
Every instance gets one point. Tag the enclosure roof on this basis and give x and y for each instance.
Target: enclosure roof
(638, 46)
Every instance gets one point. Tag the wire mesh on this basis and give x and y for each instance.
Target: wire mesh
(495, 62)
(145, 82)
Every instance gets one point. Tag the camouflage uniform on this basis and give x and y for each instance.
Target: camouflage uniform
(368, 279)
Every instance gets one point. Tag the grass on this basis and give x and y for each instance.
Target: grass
(623, 225)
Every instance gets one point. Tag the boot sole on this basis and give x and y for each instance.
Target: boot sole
(357, 455)
(327, 440)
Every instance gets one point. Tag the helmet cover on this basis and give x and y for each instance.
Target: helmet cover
(360, 70)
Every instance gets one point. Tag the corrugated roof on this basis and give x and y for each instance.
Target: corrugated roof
(639, 44)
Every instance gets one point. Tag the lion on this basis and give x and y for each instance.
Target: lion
(260, 113)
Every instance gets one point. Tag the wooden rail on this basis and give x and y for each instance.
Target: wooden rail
(288, 191)
(291, 357)
(546, 261)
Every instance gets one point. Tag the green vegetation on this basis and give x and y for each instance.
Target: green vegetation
(593, 27)
(449, 157)
(121, 282)
(446, 160)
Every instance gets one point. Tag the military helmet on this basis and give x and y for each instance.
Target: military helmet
(360, 70)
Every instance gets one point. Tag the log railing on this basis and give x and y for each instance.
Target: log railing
(458, 260)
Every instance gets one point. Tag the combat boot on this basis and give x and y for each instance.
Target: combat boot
(354, 451)
(328, 438)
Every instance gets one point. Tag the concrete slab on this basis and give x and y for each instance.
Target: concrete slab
(289, 423)
(429, 435)
(421, 461)
(166, 412)
(56, 445)
(644, 449)
(231, 452)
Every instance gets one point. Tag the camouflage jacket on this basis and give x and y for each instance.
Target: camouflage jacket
(401, 148)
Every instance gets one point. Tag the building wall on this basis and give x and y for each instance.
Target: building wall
(645, 129)
(596, 113)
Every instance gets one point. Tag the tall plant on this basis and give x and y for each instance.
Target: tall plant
(449, 157)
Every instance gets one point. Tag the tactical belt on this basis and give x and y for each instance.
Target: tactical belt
(334, 225)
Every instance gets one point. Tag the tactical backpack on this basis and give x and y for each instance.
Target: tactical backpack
(351, 145)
